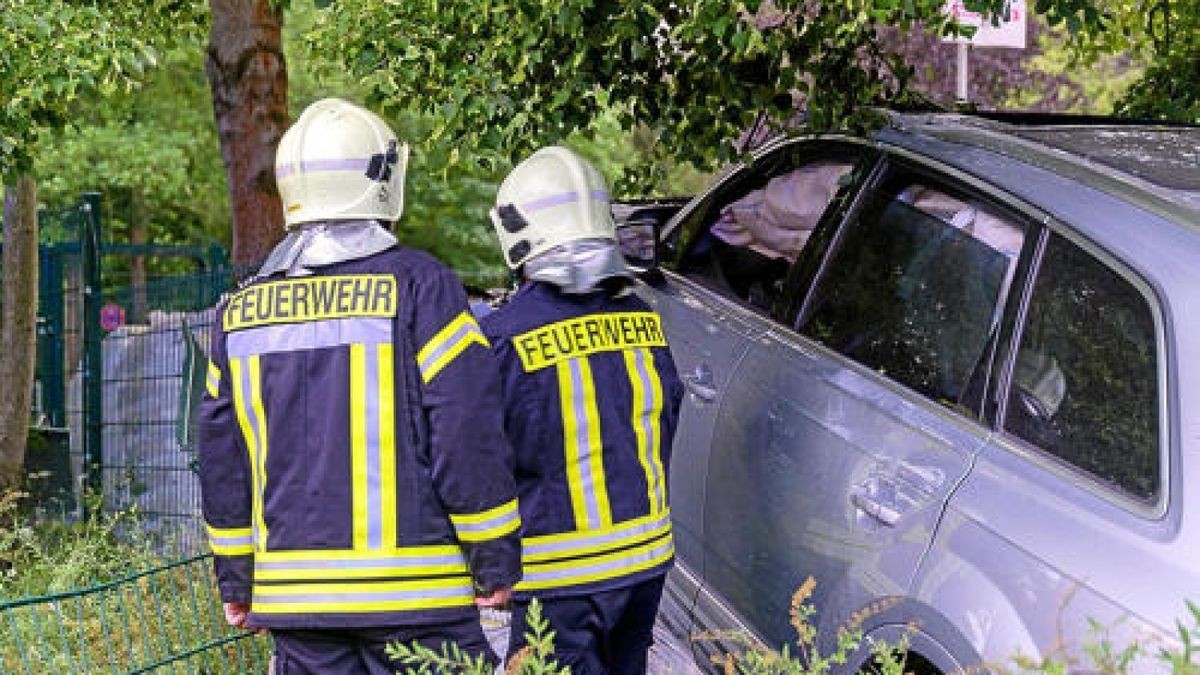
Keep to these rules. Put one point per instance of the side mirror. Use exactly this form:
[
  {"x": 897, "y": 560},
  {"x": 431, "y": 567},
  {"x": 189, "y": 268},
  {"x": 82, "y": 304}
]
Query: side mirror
[{"x": 638, "y": 241}]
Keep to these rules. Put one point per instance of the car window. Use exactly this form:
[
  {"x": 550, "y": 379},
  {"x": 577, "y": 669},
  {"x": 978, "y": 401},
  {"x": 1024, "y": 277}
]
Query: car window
[
  {"x": 1085, "y": 383},
  {"x": 915, "y": 286},
  {"x": 745, "y": 236}
]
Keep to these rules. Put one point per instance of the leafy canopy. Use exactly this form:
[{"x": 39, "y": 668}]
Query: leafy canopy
[
  {"x": 57, "y": 55},
  {"x": 503, "y": 76}
]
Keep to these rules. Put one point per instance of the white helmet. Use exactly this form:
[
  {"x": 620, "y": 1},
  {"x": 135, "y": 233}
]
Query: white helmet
[
  {"x": 340, "y": 162},
  {"x": 552, "y": 198}
]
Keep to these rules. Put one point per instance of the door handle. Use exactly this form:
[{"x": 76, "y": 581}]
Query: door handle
[
  {"x": 700, "y": 383},
  {"x": 887, "y": 514},
  {"x": 876, "y": 497}
]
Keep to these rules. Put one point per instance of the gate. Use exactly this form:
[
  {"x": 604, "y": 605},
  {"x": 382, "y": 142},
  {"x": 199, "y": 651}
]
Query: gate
[{"x": 117, "y": 325}]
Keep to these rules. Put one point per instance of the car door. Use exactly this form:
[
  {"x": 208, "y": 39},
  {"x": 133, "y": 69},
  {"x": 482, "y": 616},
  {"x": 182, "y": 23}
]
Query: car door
[
  {"x": 720, "y": 296},
  {"x": 1067, "y": 530},
  {"x": 839, "y": 442}
]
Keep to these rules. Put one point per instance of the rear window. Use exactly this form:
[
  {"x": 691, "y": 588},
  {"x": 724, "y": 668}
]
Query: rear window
[
  {"x": 1085, "y": 384},
  {"x": 915, "y": 289}
]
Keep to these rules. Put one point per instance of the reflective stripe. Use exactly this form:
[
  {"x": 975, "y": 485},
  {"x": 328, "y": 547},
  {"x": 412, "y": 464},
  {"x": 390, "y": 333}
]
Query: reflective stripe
[
  {"x": 417, "y": 561},
  {"x": 366, "y": 596},
  {"x": 230, "y": 541},
  {"x": 647, "y": 411},
  {"x": 372, "y": 446},
  {"x": 247, "y": 397},
  {"x": 213, "y": 382},
  {"x": 354, "y": 164},
  {"x": 581, "y": 441},
  {"x": 560, "y": 199},
  {"x": 448, "y": 343},
  {"x": 574, "y": 544},
  {"x": 358, "y": 446},
  {"x": 301, "y": 555},
  {"x": 295, "y": 337},
  {"x": 539, "y": 576},
  {"x": 489, "y": 524},
  {"x": 387, "y": 444}
]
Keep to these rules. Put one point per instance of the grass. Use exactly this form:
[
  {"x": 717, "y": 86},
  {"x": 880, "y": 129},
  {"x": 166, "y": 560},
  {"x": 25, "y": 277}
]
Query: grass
[{"x": 92, "y": 596}]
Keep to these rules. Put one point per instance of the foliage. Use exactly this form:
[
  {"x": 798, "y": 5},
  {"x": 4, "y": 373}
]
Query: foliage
[
  {"x": 1170, "y": 89},
  {"x": 58, "y": 53},
  {"x": 40, "y": 557},
  {"x": 1186, "y": 658},
  {"x": 806, "y": 658},
  {"x": 157, "y": 139},
  {"x": 1161, "y": 35},
  {"x": 502, "y": 77},
  {"x": 536, "y": 658},
  {"x": 448, "y": 192},
  {"x": 1045, "y": 77}
]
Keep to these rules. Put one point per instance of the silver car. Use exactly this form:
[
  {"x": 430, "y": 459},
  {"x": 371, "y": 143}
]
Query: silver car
[{"x": 950, "y": 371}]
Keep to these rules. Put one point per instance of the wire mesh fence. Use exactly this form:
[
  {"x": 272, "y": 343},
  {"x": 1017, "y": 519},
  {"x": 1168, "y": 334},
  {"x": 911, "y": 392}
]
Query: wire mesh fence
[
  {"x": 164, "y": 620},
  {"x": 151, "y": 377}
]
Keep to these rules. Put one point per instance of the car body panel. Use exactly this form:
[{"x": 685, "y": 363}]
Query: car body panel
[
  {"x": 824, "y": 471},
  {"x": 906, "y": 511}
]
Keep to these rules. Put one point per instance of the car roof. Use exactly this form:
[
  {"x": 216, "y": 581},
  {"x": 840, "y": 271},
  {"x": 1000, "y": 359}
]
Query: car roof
[{"x": 1154, "y": 165}]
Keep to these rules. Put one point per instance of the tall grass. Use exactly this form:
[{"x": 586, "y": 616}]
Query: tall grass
[{"x": 92, "y": 596}]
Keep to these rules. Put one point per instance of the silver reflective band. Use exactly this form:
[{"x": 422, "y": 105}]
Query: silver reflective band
[
  {"x": 649, "y": 418},
  {"x": 312, "y": 335},
  {"x": 605, "y": 539},
  {"x": 230, "y": 542},
  {"x": 430, "y": 360},
  {"x": 323, "y": 165},
  {"x": 583, "y": 435},
  {"x": 494, "y": 527},
  {"x": 364, "y": 596},
  {"x": 584, "y": 571},
  {"x": 454, "y": 561},
  {"x": 559, "y": 199}
]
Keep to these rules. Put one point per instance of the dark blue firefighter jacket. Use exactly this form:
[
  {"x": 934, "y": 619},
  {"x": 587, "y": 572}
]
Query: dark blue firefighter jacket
[
  {"x": 353, "y": 464},
  {"x": 591, "y": 402}
]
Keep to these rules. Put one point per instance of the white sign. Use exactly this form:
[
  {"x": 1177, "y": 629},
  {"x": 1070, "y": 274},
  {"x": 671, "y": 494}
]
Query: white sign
[{"x": 1010, "y": 32}]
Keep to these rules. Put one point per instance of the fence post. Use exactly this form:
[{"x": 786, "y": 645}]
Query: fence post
[
  {"x": 50, "y": 336},
  {"x": 93, "y": 367}
]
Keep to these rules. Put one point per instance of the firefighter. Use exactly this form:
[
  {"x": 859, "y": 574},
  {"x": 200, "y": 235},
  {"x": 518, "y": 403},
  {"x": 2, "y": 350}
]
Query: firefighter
[
  {"x": 591, "y": 402},
  {"x": 357, "y": 486}
]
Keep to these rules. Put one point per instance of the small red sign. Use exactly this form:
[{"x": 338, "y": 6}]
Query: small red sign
[{"x": 112, "y": 317}]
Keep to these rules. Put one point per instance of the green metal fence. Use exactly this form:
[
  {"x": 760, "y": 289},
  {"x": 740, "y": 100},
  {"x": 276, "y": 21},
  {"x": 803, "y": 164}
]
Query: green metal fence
[{"x": 165, "y": 620}]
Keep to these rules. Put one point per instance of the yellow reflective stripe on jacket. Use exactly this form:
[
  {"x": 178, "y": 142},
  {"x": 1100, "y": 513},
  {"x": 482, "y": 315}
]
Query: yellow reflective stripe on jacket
[
  {"x": 230, "y": 540},
  {"x": 397, "y": 563},
  {"x": 585, "y": 335},
  {"x": 362, "y": 596},
  {"x": 247, "y": 398},
  {"x": 213, "y": 381},
  {"x": 582, "y": 444},
  {"x": 387, "y": 445},
  {"x": 490, "y": 524},
  {"x": 647, "y": 411},
  {"x": 541, "y": 576},
  {"x": 448, "y": 343},
  {"x": 550, "y": 547},
  {"x": 372, "y": 446}
]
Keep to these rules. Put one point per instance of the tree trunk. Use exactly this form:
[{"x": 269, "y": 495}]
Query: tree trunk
[
  {"x": 18, "y": 325},
  {"x": 248, "y": 78}
]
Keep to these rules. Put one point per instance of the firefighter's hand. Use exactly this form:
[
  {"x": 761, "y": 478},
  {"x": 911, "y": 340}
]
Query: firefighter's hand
[
  {"x": 236, "y": 614},
  {"x": 498, "y": 598}
]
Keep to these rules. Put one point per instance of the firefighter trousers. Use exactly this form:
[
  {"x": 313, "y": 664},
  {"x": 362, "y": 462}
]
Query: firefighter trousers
[
  {"x": 360, "y": 651},
  {"x": 601, "y": 633}
]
